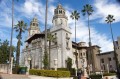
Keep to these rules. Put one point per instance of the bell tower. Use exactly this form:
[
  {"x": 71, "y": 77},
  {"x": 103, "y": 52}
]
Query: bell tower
[
  {"x": 61, "y": 31},
  {"x": 59, "y": 17},
  {"x": 34, "y": 27}
]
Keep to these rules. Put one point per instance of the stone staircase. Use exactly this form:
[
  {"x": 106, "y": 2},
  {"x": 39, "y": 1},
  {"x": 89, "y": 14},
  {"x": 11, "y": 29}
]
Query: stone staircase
[{"x": 13, "y": 76}]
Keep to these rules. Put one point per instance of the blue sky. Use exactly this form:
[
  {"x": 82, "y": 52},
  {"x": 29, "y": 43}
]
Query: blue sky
[{"x": 27, "y": 9}]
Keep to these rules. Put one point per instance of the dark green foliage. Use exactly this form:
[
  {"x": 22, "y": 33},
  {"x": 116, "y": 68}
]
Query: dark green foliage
[
  {"x": 5, "y": 51},
  {"x": 45, "y": 60},
  {"x": 69, "y": 63},
  {"x": 109, "y": 74},
  {"x": 50, "y": 73},
  {"x": 95, "y": 76},
  {"x": 72, "y": 71},
  {"x": 75, "y": 77},
  {"x": 63, "y": 69},
  {"x": 19, "y": 70}
]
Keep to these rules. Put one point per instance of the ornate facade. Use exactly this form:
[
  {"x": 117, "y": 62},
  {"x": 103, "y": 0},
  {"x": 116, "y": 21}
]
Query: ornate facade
[
  {"x": 35, "y": 43},
  {"x": 34, "y": 49}
]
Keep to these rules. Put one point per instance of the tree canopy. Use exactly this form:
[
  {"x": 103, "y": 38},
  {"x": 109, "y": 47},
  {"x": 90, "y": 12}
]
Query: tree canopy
[{"x": 5, "y": 51}]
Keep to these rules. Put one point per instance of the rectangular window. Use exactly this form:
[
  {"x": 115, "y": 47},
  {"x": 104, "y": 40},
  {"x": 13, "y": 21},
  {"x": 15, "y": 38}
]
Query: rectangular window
[
  {"x": 113, "y": 58},
  {"x": 103, "y": 67},
  {"x": 109, "y": 59},
  {"x": 102, "y": 60}
]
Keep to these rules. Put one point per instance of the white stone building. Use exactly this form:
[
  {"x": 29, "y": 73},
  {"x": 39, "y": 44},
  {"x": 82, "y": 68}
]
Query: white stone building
[
  {"x": 34, "y": 47},
  {"x": 64, "y": 47},
  {"x": 107, "y": 61},
  {"x": 118, "y": 49}
]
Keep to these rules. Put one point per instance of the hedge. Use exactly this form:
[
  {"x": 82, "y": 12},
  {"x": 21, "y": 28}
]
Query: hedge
[
  {"x": 49, "y": 73},
  {"x": 72, "y": 70},
  {"x": 96, "y": 76},
  {"x": 109, "y": 74},
  {"x": 19, "y": 70}
]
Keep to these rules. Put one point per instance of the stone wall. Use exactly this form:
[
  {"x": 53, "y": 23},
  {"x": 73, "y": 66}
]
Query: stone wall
[{"x": 4, "y": 68}]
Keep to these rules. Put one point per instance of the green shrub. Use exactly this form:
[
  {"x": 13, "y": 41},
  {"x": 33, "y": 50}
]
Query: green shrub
[
  {"x": 72, "y": 70},
  {"x": 75, "y": 77},
  {"x": 49, "y": 73},
  {"x": 113, "y": 71},
  {"x": 19, "y": 70},
  {"x": 62, "y": 69},
  {"x": 94, "y": 76},
  {"x": 109, "y": 74}
]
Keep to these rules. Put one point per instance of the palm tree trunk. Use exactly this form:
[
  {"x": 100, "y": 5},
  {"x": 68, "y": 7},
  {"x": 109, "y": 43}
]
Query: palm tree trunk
[
  {"x": 18, "y": 52},
  {"x": 18, "y": 49},
  {"x": 46, "y": 25},
  {"x": 45, "y": 52},
  {"x": 115, "y": 53},
  {"x": 76, "y": 47},
  {"x": 89, "y": 43},
  {"x": 49, "y": 53},
  {"x": 11, "y": 31},
  {"x": 91, "y": 58}
]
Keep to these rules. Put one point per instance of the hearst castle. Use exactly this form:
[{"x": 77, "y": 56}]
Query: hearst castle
[{"x": 34, "y": 47}]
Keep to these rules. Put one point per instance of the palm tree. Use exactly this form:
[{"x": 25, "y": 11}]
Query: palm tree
[
  {"x": 21, "y": 27},
  {"x": 109, "y": 20},
  {"x": 50, "y": 38},
  {"x": 75, "y": 15},
  {"x": 11, "y": 34},
  {"x": 45, "y": 58},
  {"x": 88, "y": 10}
]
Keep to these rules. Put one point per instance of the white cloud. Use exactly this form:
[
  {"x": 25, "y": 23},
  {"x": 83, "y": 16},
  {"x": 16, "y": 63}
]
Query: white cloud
[
  {"x": 103, "y": 8},
  {"x": 98, "y": 38},
  {"x": 30, "y": 8}
]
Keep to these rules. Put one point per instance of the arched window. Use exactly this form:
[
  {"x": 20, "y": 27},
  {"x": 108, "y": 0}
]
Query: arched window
[
  {"x": 60, "y": 21},
  {"x": 66, "y": 35},
  {"x": 33, "y": 32},
  {"x": 55, "y": 22},
  {"x": 60, "y": 11},
  {"x": 36, "y": 24},
  {"x": 33, "y": 24}
]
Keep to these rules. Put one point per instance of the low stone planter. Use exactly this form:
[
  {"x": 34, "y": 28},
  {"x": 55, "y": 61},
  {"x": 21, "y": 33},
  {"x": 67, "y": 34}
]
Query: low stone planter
[{"x": 41, "y": 77}]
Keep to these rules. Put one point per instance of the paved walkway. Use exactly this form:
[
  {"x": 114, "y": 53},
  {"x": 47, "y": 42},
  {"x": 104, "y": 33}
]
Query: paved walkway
[
  {"x": 83, "y": 78},
  {"x": 13, "y": 76}
]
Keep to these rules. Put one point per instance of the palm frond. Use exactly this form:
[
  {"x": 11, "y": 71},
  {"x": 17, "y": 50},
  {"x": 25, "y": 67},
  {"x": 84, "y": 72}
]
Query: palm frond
[{"x": 110, "y": 18}]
